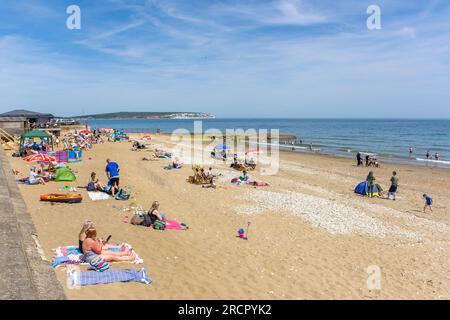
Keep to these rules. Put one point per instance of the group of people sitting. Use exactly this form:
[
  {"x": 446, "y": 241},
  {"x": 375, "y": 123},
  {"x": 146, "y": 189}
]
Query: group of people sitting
[
  {"x": 40, "y": 175},
  {"x": 202, "y": 176},
  {"x": 137, "y": 146},
  {"x": 247, "y": 165}
]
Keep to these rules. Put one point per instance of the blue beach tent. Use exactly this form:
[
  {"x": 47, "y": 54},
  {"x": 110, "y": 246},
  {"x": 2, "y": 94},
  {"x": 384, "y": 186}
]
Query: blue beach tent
[{"x": 363, "y": 189}]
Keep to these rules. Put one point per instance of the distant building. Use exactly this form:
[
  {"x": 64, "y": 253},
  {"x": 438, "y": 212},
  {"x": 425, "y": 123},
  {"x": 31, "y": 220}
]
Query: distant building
[
  {"x": 18, "y": 121},
  {"x": 14, "y": 125},
  {"x": 31, "y": 116}
]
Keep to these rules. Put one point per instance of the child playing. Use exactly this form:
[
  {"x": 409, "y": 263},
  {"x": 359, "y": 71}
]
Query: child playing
[{"x": 428, "y": 202}]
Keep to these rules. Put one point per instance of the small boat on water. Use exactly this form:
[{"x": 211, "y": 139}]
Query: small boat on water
[{"x": 62, "y": 198}]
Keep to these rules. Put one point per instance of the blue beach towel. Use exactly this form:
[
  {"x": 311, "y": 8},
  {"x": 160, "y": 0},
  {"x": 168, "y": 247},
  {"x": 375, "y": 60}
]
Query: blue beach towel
[{"x": 80, "y": 278}]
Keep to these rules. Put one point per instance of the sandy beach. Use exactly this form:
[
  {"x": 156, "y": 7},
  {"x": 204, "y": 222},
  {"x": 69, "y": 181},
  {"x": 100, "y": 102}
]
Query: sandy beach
[{"x": 311, "y": 236}]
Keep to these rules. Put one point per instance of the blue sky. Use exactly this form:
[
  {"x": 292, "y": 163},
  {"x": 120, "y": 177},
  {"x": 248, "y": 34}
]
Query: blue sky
[{"x": 278, "y": 58}]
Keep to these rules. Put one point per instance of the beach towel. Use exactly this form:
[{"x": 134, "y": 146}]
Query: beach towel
[
  {"x": 174, "y": 225},
  {"x": 96, "y": 196},
  {"x": 71, "y": 255},
  {"x": 80, "y": 278}
]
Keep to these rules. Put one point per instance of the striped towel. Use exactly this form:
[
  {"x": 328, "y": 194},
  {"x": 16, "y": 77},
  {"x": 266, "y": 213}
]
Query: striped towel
[
  {"x": 71, "y": 255},
  {"x": 80, "y": 278}
]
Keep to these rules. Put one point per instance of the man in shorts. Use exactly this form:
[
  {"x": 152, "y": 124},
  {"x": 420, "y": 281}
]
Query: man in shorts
[
  {"x": 394, "y": 186},
  {"x": 112, "y": 172}
]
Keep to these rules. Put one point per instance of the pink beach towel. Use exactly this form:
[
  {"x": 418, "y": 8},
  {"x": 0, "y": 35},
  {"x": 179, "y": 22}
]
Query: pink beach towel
[{"x": 173, "y": 225}]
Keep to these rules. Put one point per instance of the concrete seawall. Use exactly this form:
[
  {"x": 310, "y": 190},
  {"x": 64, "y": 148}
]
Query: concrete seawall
[{"x": 23, "y": 272}]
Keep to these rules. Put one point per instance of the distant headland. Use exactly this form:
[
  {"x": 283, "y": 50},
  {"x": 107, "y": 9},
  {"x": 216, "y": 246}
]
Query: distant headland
[{"x": 145, "y": 115}]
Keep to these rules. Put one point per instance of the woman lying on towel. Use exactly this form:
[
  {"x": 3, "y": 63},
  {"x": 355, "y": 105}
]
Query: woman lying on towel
[{"x": 94, "y": 248}]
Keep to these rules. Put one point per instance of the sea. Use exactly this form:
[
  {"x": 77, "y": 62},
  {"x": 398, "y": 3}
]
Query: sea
[{"x": 389, "y": 139}]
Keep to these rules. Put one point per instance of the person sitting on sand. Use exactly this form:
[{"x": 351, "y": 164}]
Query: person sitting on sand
[
  {"x": 94, "y": 247},
  {"x": 153, "y": 214},
  {"x": 94, "y": 183},
  {"x": 82, "y": 235},
  {"x": 197, "y": 176},
  {"x": 176, "y": 164},
  {"x": 34, "y": 177},
  {"x": 203, "y": 175},
  {"x": 370, "y": 183},
  {"x": 242, "y": 179}
]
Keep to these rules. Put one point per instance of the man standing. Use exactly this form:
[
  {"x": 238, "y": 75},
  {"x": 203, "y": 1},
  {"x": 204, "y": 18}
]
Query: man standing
[
  {"x": 112, "y": 172},
  {"x": 394, "y": 185},
  {"x": 358, "y": 159}
]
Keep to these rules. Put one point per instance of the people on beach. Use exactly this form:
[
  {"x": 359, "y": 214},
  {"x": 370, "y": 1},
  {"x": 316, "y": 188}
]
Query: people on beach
[
  {"x": 410, "y": 152},
  {"x": 154, "y": 212},
  {"x": 112, "y": 172},
  {"x": 428, "y": 202},
  {"x": 436, "y": 156},
  {"x": 82, "y": 235},
  {"x": 428, "y": 155},
  {"x": 94, "y": 183},
  {"x": 93, "y": 249},
  {"x": 358, "y": 159},
  {"x": 367, "y": 160},
  {"x": 34, "y": 177},
  {"x": 370, "y": 183},
  {"x": 394, "y": 186},
  {"x": 176, "y": 164}
]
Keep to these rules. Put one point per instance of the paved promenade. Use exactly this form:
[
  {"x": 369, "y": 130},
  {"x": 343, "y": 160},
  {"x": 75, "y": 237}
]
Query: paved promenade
[{"x": 23, "y": 273}]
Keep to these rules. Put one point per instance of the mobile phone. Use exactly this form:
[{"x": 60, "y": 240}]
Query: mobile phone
[{"x": 107, "y": 239}]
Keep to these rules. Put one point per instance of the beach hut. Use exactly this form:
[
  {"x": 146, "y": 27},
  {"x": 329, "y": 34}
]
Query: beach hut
[{"x": 43, "y": 136}]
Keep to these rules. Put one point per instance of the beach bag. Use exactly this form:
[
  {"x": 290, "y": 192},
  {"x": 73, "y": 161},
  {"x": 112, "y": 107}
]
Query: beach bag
[
  {"x": 137, "y": 220},
  {"x": 122, "y": 195},
  {"x": 159, "y": 225},
  {"x": 91, "y": 187},
  {"x": 99, "y": 264}
]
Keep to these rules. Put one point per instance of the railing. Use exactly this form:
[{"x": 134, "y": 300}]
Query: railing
[{"x": 7, "y": 137}]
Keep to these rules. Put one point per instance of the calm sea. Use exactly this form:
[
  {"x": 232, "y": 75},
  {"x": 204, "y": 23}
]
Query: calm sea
[{"x": 389, "y": 139}]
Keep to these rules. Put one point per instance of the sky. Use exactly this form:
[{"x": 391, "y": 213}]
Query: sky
[{"x": 258, "y": 58}]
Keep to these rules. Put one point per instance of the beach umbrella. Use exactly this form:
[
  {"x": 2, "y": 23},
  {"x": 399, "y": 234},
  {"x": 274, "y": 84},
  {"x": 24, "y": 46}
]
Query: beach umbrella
[
  {"x": 85, "y": 131},
  {"x": 40, "y": 157},
  {"x": 222, "y": 147},
  {"x": 146, "y": 138}
]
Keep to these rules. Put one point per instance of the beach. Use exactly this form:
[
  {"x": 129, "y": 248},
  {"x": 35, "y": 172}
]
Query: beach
[{"x": 311, "y": 236}]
